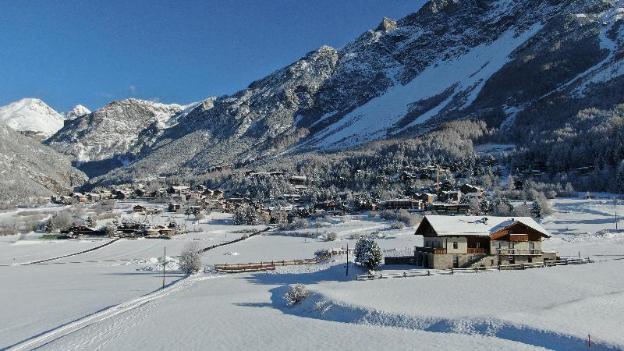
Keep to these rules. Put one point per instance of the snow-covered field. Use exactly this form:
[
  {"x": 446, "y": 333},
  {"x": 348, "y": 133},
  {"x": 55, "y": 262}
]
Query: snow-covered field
[{"x": 110, "y": 298}]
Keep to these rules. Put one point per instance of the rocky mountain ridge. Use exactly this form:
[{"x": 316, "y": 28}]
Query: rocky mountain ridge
[
  {"x": 118, "y": 130},
  {"x": 526, "y": 68},
  {"x": 487, "y": 60}
]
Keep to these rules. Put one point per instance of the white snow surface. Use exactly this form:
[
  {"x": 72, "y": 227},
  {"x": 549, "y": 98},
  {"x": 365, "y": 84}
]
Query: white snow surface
[
  {"x": 110, "y": 298},
  {"x": 478, "y": 225},
  {"x": 30, "y": 114}
]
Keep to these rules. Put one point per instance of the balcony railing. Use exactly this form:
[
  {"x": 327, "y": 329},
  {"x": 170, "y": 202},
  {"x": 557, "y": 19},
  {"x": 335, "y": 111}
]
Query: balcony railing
[
  {"x": 518, "y": 252},
  {"x": 433, "y": 250},
  {"x": 476, "y": 250}
]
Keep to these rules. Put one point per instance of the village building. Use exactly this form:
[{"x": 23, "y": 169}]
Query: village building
[
  {"x": 427, "y": 198},
  {"x": 469, "y": 189},
  {"x": 178, "y": 189},
  {"x": 450, "y": 209},
  {"x": 131, "y": 230},
  {"x": 450, "y": 196},
  {"x": 139, "y": 209},
  {"x": 403, "y": 204},
  {"x": 162, "y": 232},
  {"x": 173, "y": 207},
  {"x": 93, "y": 197},
  {"x": 80, "y": 230},
  {"x": 478, "y": 241},
  {"x": 121, "y": 194},
  {"x": 80, "y": 197}
]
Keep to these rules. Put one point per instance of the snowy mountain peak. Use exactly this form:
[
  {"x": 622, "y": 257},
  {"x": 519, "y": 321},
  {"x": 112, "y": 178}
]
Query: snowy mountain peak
[
  {"x": 31, "y": 115},
  {"x": 387, "y": 25},
  {"x": 77, "y": 111}
]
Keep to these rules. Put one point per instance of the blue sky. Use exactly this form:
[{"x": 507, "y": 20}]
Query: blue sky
[{"x": 92, "y": 52}]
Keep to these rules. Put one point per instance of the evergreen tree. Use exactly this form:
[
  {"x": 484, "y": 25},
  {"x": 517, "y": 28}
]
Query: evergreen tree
[{"x": 368, "y": 253}]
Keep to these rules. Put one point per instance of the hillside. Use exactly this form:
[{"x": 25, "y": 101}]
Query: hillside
[{"x": 29, "y": 169}]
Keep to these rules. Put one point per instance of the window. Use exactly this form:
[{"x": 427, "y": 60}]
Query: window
[{"x": 455, "y": 245}]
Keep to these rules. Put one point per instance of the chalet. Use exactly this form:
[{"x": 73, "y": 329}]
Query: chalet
[
  {"x": 62, "y": 200},
  {"x": 477, "y": 241},
  {"x": 405, "y": 204},
  {"x": 450, "y": 196},
  {"x": 469, "y": 189},
  {"x": 80, "y": 197},
  {"x": 105, "y": 194},
  {"x": 131, "y": 230},
  {"x": 451, "y": 209},
  {"x": 178, "y": 189},
  {"x": 161, "y": 231},
  {"x": 93, "y": 197},
  {"x": 121, "y": 194},
  {"x": 139, "y": 209},
  {"x": 173, "y": 207},
  {"x": 79, "y": 230},
  {"x": 427, "y": 198}
]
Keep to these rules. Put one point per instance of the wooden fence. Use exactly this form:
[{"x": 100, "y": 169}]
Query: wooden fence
[
  {"x": 260, "y": 266},
  {"x": 426, "y": 273}
]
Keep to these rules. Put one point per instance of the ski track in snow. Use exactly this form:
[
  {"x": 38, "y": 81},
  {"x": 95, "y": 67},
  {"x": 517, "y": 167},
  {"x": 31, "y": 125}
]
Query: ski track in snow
[
  {"x": 71, "y": 327},
  {"x": 50, "y": 336}
]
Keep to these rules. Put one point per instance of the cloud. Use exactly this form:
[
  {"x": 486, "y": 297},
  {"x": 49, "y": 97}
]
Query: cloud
[{"x": 132, "y": 89}]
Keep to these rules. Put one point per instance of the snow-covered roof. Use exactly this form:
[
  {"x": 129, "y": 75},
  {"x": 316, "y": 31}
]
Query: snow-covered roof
[{"x": 477, "y": 225}]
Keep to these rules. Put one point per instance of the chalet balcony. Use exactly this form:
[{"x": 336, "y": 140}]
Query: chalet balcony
[
  {"x": 433, "y": 250},
  {"x": 476, "y": 250},
  {"x": 512, "y": 252}
]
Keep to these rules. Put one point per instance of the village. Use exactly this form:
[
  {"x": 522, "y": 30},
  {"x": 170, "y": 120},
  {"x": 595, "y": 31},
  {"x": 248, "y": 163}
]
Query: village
[{"x": 452, "y": 216}]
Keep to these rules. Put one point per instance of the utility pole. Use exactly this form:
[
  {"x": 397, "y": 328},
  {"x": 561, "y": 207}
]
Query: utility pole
[
  {"x": 437, "y": 179},
  {"x": 347, "y": 274},
  {"x": 615, "y": 212},
  {"x": 164, "y": 266}
]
